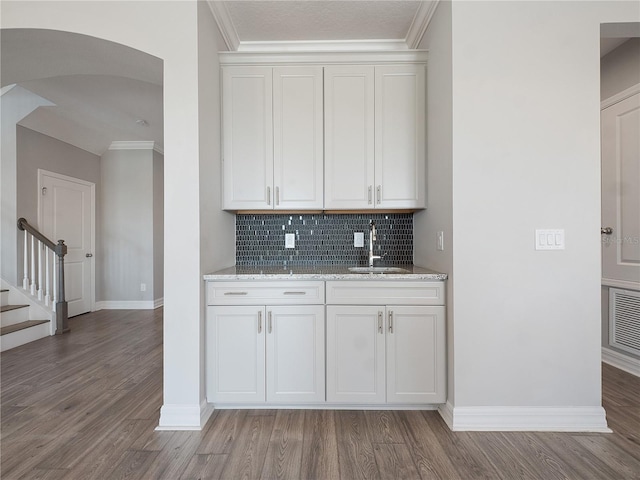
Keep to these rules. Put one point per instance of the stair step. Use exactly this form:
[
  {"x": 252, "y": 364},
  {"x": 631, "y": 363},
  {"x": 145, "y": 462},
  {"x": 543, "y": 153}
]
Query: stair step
[
  {"x": 4, "y": 296},
  {"x": 12, "y": 314},
  {"x": 21, "y": 326},
  {"x": 8, "y": 308}
]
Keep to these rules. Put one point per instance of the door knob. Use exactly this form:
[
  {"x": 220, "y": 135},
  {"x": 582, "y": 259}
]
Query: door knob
[
  {"x": 606, "y": 231},
  {"x": 89, "y": 255}
]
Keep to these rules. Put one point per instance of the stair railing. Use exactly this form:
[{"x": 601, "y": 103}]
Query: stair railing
[{"x": 45, "y": 278}]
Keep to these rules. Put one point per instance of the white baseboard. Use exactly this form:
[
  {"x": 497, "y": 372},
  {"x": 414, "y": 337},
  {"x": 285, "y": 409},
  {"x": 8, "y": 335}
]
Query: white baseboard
[
  {"x": 620, "y": 360},
  {"x": 184, "y": 417},
  {"x": 130, "y": 305},
  {"x": 525, "y": 419}
]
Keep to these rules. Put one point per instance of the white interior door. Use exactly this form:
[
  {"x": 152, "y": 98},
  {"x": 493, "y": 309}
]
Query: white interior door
[
  {"x": 66, "y": 212},
  {"x": 621, "y": 192}
]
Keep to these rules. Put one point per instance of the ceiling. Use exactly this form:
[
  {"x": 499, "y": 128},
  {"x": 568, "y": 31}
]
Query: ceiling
[{"x": 104, "y": 92}]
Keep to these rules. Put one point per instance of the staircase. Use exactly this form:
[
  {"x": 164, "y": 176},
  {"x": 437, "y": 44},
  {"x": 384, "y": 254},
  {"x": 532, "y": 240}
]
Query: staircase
[{"x": 22, "y": 318}]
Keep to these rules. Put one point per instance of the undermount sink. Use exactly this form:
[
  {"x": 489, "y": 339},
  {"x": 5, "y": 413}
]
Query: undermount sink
[{"x": 378, "y": 270}]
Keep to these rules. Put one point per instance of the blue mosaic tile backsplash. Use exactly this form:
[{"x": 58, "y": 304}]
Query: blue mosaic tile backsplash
[{"x": 322, "y": 239}]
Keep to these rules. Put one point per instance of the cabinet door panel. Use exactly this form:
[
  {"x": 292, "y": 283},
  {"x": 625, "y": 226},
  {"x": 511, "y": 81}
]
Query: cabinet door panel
[
  {"x": 415, "y": 354},
  {"x": 247, "y": 137},
  {"x": 235, "y": 354},
  {"x": 349, "y": 142},
  {"x": 295, "y": 354},
  {"x": 355, "y": 354},
  {"x": 400, "y": 136},
  {"x": 298, "y": 142}
]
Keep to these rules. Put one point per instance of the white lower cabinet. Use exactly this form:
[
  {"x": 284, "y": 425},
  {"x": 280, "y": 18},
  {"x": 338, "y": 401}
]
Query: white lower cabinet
[
  {"x": 384, "y": 343},
  {"x": 265, "y": 353},
  {"x": 385, "y": 354}
]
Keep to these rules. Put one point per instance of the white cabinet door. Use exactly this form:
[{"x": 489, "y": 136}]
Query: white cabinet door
[
  {"x": 415, "y": 354},
  {"x": 295, "y": 354},
  {"x": 400, "y": 112},
  {"x": 348, "y": 136},
  {"x": 298, "y": 138},
  {"x": 355, "y": 354},
  {"x": 235, "y": 354},
  {"x": 247, "y": 137}
]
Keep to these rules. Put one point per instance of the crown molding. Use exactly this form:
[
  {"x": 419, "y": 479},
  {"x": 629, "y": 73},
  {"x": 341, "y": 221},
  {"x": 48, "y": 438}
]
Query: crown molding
[
  {"x": 322, "y": 58},
  {"x": 136, "y": 145},
  {"x": 383, "y": 45},
  {"x": 225, "y": 24},
  {"x": 420, "y": 23}
]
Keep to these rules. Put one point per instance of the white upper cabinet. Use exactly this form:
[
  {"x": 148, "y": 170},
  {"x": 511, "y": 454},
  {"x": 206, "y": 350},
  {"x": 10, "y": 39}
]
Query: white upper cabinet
[
  {"x": 400, "y": 113},
  {"x": 272, "y": 135},
  {"x": 375, "y": 137},
  {"x": 340, "y": 137},
  {"x": 349, "y": 144},
  {"x": 297, "y": 141},
  {"x": 247, "y": 137}
]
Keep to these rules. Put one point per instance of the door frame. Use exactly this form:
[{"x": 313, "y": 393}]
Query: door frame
[{"x": 92, "y": 186}]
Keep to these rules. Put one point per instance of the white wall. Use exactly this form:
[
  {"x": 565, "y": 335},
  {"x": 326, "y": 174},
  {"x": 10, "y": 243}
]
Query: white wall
[
  {"x": 169, "y": 31},
  {"x": 439, "y": 215},
  {"x": 129, "y": 209},
  {"x": 15, "y": 104},
  {"x": 526, "y": 155},
  {"x": 217, "y": 228}
]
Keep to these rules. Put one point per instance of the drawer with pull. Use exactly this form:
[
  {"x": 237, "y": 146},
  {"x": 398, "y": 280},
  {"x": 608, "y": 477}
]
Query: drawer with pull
[{"x": 268, "y": 292}]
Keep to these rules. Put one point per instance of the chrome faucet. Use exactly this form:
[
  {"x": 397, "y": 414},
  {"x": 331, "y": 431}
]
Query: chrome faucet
[{"x": 372, "y": 238}]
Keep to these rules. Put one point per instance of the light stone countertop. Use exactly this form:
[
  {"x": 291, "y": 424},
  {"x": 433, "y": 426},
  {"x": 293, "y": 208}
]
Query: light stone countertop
[{"x": 322, "y": 272}]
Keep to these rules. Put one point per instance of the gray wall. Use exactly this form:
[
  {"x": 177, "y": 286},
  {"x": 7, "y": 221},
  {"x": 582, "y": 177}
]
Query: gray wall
[
  {"x": 34, "y": 151},
  {"x": 158, "y": 225},
  {"x": 129, "y": 207},
  {"x": 619, "y": 70}
]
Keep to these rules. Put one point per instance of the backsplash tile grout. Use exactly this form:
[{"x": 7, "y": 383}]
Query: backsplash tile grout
[{"x": 322, "y": 239}]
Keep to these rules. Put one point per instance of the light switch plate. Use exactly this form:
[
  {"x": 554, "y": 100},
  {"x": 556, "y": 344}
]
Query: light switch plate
[
  {"x": 440, "y": 241},
  {"x": 358, "y": 239},
  {"x": 289, "y": 240},
  {"x": 550, "y": 239}
]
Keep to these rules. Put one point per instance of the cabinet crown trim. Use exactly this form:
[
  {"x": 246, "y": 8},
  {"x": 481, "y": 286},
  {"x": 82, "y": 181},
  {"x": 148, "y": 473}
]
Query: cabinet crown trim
[{"x": 323, "y": 58}]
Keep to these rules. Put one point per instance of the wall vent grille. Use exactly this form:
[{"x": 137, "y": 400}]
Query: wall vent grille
[{"x": 624, "y": 320}]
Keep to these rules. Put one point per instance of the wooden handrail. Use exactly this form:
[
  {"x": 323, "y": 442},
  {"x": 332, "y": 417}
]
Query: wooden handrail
[{"x": 60, "y": 249}]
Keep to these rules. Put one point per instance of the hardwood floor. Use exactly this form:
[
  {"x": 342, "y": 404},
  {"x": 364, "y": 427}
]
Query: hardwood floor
[{"x": 85, "y": 405}]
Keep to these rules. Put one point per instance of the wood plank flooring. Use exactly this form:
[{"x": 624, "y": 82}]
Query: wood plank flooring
[{"x": 85, "y": 405}]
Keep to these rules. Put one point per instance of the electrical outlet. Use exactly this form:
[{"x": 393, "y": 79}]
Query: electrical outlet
[
  {"x": 289, "y": 240},
  {"x": 440, "y": 241},
  {"x": 358, "y": 239},
  {"x": 143, "y": 287}
]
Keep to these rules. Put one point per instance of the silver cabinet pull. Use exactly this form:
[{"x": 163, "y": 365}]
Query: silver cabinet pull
[
  {"x": 378, "y": 193},
  {"x": 236, "y": 293},
  {"x": 606, "y": 231},
  {"x": 268, "y": 195},
  {"x": 259, "y": 322},
  {"x": 89, "y": 255},
  {"x": 295, "y": 293},
  {"x": 390, "y": 321},
  {"x": 270, "y": 323},
  {"x": 370, "y": 188},
  {"x": 379, "y": 322},
  {"x": 277, "y": 195}
]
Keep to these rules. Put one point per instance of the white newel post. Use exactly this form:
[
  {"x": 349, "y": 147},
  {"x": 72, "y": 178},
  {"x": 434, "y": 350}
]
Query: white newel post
[{"x": 55, "y": 281}]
